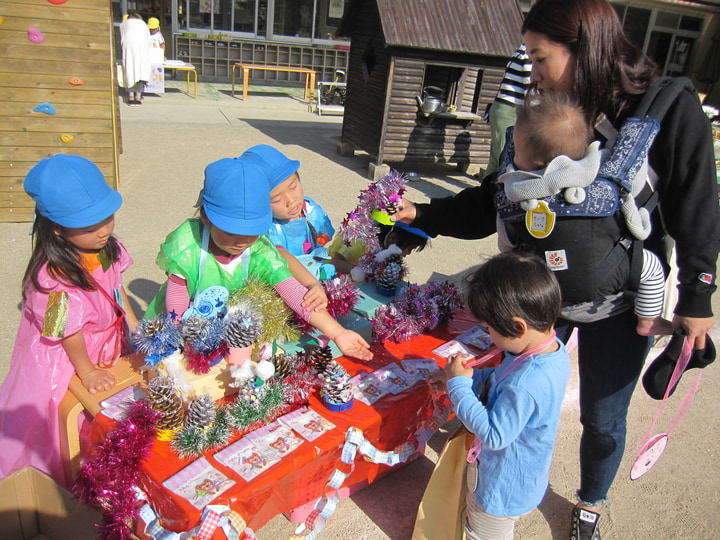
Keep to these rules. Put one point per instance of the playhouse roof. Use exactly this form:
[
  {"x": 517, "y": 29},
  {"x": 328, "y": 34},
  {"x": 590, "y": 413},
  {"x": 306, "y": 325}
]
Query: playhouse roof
[{"x": 489, "y": 27}]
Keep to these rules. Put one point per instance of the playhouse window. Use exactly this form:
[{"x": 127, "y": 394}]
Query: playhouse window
[{"x": 447, "y": 78}]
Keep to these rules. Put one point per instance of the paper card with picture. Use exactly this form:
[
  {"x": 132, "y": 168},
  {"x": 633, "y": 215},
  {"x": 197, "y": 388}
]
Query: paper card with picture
[
  {"x": 245, "y": 459},
  {"x": 367, "y": 388},
  {"x": 275, "y": 440},
  {"x": 394, "y": 378},
  {"x": 199, "y": 483},
  {"x": 116, "y": 406},
  {"x": 420, "y": 368},
  {"x": 452, "y": 347},
  {"x": 477, "y": 337},
  {"x": 307, "y": 423}
]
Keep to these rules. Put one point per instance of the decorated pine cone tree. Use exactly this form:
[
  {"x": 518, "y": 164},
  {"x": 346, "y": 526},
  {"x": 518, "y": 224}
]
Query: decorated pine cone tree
[
  {"x": 195, "y": 328},
  {"x": 283, "y": 365},
  {"x": 336, "y": 386},
  {"x": 390, "y": 275},
  {"x": 319, "y": 357},
  {"x": 242, "y": 327},
  {"x": 164, "y": 398},
  {"x": 201, "y": 412}
]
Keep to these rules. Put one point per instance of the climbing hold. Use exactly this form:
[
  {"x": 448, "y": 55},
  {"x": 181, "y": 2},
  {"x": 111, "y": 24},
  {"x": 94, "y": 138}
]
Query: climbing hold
[
  {"x": 57, "y": 2},
  {"x": 46, "y": 108},
  {"x": 1, "y": 20},
  {"x": 66, "y": 138},
  {"x": 76, "y": 82},
  {"x": 35, "y": 35}
]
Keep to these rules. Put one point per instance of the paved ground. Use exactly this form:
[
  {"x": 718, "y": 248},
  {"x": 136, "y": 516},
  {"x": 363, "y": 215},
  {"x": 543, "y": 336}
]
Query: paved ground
[{"x": 169, "y": 140}]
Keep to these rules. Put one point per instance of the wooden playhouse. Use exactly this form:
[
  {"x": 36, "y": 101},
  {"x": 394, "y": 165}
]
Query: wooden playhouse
[
  {"x": 401, "y": 48},
  {"x": 57, "y": 91}
]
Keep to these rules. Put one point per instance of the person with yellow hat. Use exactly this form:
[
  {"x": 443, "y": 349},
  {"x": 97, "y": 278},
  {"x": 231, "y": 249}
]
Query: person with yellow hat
[{"x": 156, "y": 37}]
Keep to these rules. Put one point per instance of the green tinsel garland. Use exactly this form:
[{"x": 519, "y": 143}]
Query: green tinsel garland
[
  {"x": 245, "y": 413},
  {"x": 193, "y": 441},
  {"x": 272, "y": 309}
]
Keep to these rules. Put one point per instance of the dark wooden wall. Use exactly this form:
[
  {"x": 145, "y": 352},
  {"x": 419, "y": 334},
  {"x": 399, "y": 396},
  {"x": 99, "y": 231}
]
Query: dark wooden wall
[{"x": 77, "y": 45}]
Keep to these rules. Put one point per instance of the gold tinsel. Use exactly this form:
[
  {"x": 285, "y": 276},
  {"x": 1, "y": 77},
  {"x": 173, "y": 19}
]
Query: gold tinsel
[{"x": 273, "y": 311}]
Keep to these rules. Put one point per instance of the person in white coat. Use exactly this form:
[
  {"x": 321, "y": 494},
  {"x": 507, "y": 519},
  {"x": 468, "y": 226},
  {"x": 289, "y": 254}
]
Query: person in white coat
[{"x": 136, "y": 44}]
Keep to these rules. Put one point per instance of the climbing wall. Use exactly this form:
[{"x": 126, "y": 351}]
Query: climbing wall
[{"x": 56, "y": 91}]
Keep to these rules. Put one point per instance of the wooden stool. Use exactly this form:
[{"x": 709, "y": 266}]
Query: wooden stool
[{"x": 77, "y": 399}]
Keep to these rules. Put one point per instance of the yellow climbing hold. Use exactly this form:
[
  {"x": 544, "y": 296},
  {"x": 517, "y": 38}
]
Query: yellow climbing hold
[{"x": 66, "y": 138}]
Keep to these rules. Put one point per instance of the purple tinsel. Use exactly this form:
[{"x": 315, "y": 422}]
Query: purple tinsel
[
  {"x": 342, "y": 297},
  {"x": 416, "y": 311},
  {"x": 107, "y": 480},
  {"x": 384, "y": 195}
]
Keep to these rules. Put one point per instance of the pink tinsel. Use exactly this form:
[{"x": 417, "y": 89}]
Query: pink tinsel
[
  {"x": 342, "y": 298},
  {"x": 107, "y": 480},
  {"x": 200, "y": 363},
  {"x": 384, "y": 195},
  {"x": 416, "y": 311}
]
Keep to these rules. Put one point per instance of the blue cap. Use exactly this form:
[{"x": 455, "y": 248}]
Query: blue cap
[
  {"x": 233, "y": 199},
  {"x": 71, "y": 191},
  {"x": 411, "y": 230},
  {"x": 276, "y": 165}
]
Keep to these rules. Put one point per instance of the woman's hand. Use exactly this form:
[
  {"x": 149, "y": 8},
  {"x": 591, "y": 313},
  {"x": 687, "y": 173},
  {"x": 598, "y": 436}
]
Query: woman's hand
[
  {"x": 315, "y": 298},
  {"x": 407, "y": 212},
  {"x": 455, "y": 368},
  {"x": 696, "y": 329},
  {"x": 97, "y": 380},
  {"x": 353, "y": 345}
]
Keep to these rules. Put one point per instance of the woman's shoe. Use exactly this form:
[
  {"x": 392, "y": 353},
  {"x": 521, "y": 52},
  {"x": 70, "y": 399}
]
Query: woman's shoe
[{"x": 584, "y": 525}]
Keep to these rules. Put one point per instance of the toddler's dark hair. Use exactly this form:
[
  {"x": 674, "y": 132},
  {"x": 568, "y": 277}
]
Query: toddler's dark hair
[
  {"x": 62, "y": 258},
  {"x": 405, "y": 240},
  {"x": 511, "y": 285}
]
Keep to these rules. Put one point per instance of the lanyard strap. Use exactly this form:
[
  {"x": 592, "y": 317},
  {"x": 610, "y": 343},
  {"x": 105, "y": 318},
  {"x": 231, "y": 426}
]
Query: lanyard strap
[
  {"x": 687, "y": 399},
  {"x": 476, "y": 446}
]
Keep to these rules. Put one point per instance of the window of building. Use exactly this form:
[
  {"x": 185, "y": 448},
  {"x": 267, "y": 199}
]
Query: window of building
[
  {"x": 444, "y": 80},
  {"x": 668, "y": 37}
]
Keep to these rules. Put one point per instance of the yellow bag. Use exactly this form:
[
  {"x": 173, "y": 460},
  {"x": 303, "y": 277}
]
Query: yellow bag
[{"x": 441, "y": 514}]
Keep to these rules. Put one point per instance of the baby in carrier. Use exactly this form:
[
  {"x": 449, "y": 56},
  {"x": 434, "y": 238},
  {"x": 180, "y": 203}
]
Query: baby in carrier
[{"x": 554, "y": 156}]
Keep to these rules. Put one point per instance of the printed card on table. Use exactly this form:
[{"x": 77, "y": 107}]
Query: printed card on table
[
  {"x": 274, "y": 441},
  {"x": 476, "y": 337},
  {"x": 452, "y": 347},
  {"x": 393, "y": 378},
  {"x": 116, "y": 405},
  {"x": 420, "y": 368},
  {"x": 367, "y": 388},
  {"x": 245, "y": 459},
  {"x": 199, "y": 483},
  {"x": 308, "y": 423}
]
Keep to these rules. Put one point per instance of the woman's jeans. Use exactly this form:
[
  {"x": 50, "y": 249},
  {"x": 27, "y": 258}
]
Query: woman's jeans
[{"x": 611, "y": 355}]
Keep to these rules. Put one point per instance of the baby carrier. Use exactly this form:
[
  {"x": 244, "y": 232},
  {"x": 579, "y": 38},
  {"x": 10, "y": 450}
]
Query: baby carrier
[{"x": 592, "y": 235}]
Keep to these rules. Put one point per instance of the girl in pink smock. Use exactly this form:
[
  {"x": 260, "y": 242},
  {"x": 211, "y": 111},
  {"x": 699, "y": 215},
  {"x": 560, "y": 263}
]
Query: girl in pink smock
[{"x": 72, "y": 320}]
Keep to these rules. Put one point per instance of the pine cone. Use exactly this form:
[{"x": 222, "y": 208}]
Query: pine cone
[
  {"x": 283, "y": 365},
  {"x": 241, "y": 331},
  {"x": 319, "y": 357},
  {"x": 390, "y": 276},
  {"x": 201, "y": 412},
  {"x": 165, "y": 398},
  {"x": 336, "y": 384},
  {"x": 194, "y": 328}
]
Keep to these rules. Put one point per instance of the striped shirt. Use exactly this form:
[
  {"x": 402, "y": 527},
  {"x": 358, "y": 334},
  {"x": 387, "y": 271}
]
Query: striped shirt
[{"x": 516, "y": 78}]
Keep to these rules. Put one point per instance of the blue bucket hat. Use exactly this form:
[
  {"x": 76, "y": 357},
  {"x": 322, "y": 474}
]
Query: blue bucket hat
[
  {"x": 276, "y": 165},
  {"x": 233, "y": 200},
  {"x": 71, "y": 191}
]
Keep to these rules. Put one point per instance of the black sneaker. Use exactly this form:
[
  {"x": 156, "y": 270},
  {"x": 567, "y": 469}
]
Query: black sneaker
[{"x": 584, "y": 525}]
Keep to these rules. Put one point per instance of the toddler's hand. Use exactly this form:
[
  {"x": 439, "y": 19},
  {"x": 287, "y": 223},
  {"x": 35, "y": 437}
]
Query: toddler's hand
[
  {"x": 98, "y": 380},
  {"x": 353, "y": 345},
  {"x": 407, "y": 212},
  {"x": 315, "y": 299},
  {"x": 455, "y": 368}
]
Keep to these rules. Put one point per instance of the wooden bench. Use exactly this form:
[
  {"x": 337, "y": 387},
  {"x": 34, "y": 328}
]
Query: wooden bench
[{"x": 309, "y": 77}]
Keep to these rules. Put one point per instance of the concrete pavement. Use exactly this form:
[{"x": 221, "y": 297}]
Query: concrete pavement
[{"x": 169, "y": 140}]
